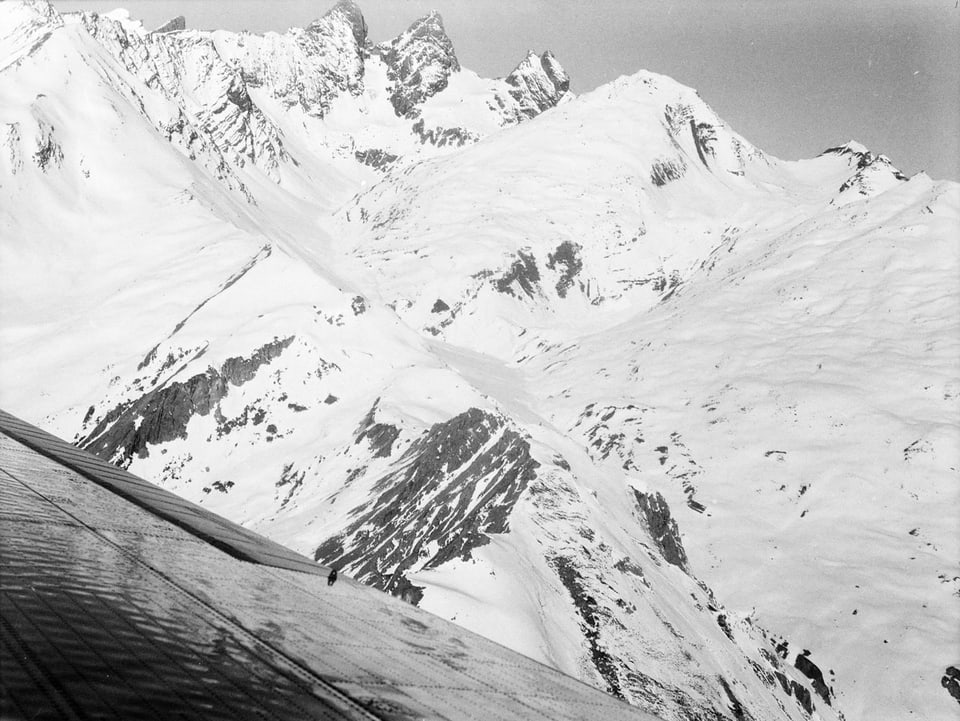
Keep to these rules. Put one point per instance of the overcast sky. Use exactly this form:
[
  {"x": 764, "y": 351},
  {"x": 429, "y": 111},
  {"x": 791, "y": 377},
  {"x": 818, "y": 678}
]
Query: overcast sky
[{"x": 792, "y": 76}]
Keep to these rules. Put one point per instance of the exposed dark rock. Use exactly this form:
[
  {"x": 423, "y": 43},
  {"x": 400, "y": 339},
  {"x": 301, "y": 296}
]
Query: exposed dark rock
[
  {"x": 784, "y": 682},
  {"x": 951, "y": 681},
  {"x": 380, "y": 436},
  {"x": 537, "y": 84},
  {"x": 358, "y": 305},
  {"x": 444, "y": 493},
  {"x": 48, "y": 149},
  {"x": 665, "y": 170},
  {"x": 330, "y": 399},
  {"x": 439, "y": 307},
  {"x": 419, "y": 63},
  {"x": 250, "y": 415},
  {"x": 662, "y": 282},
  {"x": 293, "y": 478},
  {"x": 173, "y": 25},
  {"x": 803, "y": 696},
  {"x": 809, "y": 669},
  {"x": 567, "y": 258},
  {"x": 408, "y": 591},
  {"x": 148, "y": 358},
  {"x": 724, "y": 625},
  {"x": 677, "y": 117},
  {"x": 375, "y": 158},
  {"x": 163, "y": 414},
  {"x": 736, "y": 708},
  {"x": 238, "y": 95},
  {"x": 348, "y": 12},
  {"x": 523, "y": 272},
  {"x": 590, "y": 613},
  {"x": 704, "y": 137},
  {"x": 663, "y": 528},
  {"x": 440, "y": 137}
]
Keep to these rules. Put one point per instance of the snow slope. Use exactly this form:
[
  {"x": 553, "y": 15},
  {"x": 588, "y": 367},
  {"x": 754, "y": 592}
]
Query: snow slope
[{"x": 592, "y": 376}]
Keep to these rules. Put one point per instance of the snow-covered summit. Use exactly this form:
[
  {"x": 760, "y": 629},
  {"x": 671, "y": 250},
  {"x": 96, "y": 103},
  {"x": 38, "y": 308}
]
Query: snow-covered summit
[
  {"x": 540, "y": 83},
  {"x": 345, "y": 12},
  {"x": 419, "y": 62}
]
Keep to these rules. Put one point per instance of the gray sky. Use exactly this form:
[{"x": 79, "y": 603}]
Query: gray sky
[{"x": 792, "y": 76}]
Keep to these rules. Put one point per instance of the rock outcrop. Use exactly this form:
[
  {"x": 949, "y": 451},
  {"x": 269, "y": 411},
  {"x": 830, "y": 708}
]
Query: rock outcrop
[
  {"x": 164, "y": 413},
  {"x": 419, "y": 63},
  {"x": 173, "y": 25},
  {"x": 662, "y": 526},
  {"x": 450, "y": 488},
  {"x": 538, "y": 83}
]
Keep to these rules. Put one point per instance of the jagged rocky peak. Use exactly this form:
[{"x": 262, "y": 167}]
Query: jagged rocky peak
[
  {"x": 345, "y": 12},
  {"x": 862, "y": 156},
  {"x": 874, "y": 172},
  {"x": 851, "y": 147},
  {"x": 173, "y": 25},
  {"x": 539, "y": 83},
  {"x": 419, "y": 61}
]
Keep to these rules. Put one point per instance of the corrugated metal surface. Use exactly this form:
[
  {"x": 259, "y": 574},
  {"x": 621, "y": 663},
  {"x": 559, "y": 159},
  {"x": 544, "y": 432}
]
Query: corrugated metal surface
[{"x": 119, "y": 600}]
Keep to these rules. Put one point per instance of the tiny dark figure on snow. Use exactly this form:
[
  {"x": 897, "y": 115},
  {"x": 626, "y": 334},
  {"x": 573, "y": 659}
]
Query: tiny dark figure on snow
[{"x": 332, "y": 578}]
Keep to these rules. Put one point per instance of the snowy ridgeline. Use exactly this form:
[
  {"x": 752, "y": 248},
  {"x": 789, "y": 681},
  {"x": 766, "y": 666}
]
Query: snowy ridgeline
[{"x": 594, "y": 377}]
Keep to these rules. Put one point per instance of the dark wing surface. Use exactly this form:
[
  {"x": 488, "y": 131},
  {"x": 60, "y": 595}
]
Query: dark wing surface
[{"x": 120, "y": 600}]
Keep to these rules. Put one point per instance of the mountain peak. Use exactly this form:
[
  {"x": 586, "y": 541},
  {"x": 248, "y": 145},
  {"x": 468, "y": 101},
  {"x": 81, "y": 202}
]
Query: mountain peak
[
  {"x": 173, "y": 25},
  {"x": 874, "y": 172},
  {"x": 419, "y": 61},
  {"x": 851, "y": 147},
  {"x": 539, "y": 83},
  {"x": 431, "y": 23},
  {"x": 348, "y": 13}
]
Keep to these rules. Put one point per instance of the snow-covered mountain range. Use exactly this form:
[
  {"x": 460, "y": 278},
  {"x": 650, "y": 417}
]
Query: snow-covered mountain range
[{"x": 594, "y": 377}]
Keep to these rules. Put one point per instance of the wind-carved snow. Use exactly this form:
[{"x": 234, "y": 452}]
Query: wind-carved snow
[{"x": 660, "y": 410}]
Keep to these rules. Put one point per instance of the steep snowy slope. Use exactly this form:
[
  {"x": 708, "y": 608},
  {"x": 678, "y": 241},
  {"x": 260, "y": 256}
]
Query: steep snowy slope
[
  {"x": 799, "y": 410},
  {"x": 801, "y": 339},
  {"x": 546, "y": 366}
]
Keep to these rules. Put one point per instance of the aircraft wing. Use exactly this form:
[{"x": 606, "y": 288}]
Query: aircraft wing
[{"x": 121, "y": 600}]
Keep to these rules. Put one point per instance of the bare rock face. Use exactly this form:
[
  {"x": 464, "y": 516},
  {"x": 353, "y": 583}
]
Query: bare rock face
[
  {"x": 173, "y": 25},
  {"x": 345, "y": 13},
  {"x": 522, "y": 274},
  {"x": 379, "y": 436},
  {"x": 419, "y": 63},
  {"x": 951, "y": 681},
  {"x": 565, "y": 260},
  {"x": 429, "y": 499},
  {"x": 666, "y": 170},
  {"x": 809, "y": 669},
  {"x": 873, "y": 174},
  {"x": 306, "y": 68},
  {"x": 591, "y": 622},
  {"x": 538, "y": 83},
  {"x": 662, "y": 526},
  {"x": 216, "y": 122},
  {"x": 163, "y": 414}
]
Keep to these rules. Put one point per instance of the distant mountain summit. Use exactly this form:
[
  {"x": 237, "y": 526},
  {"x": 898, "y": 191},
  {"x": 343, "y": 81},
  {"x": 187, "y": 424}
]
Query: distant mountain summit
[
  {"x": 593, "y": 376},
  {"x": 419, "y": 63}
]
